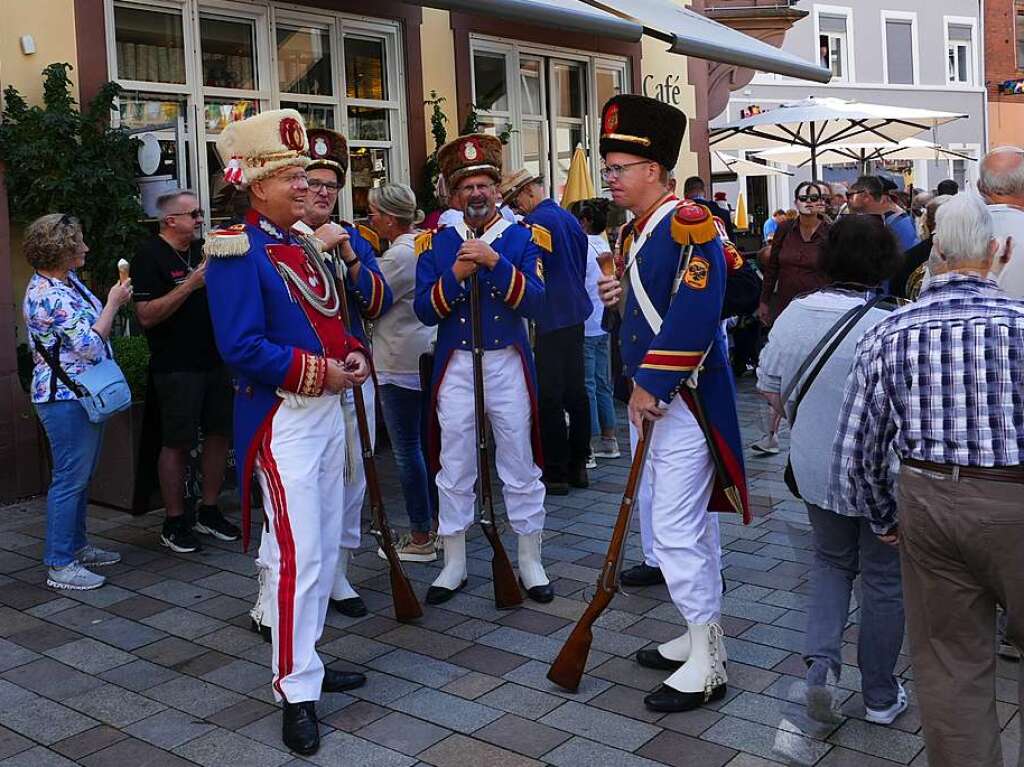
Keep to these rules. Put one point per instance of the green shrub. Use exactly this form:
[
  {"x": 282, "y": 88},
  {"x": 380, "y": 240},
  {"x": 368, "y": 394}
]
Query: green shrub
[{"x": 132, "y": 354}]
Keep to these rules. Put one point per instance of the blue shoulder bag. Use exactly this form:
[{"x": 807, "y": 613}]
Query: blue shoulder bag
[{"x": 102, "y": 389}]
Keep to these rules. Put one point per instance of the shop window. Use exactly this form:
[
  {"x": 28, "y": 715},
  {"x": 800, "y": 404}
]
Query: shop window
[
  {"x": 833, "y": 45},
  {"x": 959, "y": 54},
  {"x": 365, "y": 68},
  {"x": 899, "y": 51},
  {"x": 304, "y": 61},
  {"x": 229, "y": 59},
  {"x": 1020, "y": 37},
  {"x": 149, "y": 45}
]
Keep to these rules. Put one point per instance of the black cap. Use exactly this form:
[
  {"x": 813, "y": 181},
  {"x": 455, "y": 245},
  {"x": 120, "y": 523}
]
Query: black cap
[{"x": 644, "y": 127}]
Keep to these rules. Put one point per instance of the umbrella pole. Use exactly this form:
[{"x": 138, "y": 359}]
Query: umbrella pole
[{"x": 814, "y": 161}]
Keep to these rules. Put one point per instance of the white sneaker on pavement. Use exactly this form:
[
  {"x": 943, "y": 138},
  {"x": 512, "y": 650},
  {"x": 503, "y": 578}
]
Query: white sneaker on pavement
[
  {"x": 888, "y": 715},
  {"x": 767, "y": 445},
  {"x": 93, "y": 556},
  {"x": 73, "y": 576}
]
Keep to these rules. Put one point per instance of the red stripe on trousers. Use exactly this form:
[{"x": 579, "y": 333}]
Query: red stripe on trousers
[{"x": 286, "y": 580}]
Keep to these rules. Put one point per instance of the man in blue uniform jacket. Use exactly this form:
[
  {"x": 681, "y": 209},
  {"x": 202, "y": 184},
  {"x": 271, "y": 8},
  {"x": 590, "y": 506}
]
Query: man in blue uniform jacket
[
  {"x": 673, "y": 348},
  {"x": 276, "y": 320},
  {"x": 505, "y": 256},
  {"x": 558, "y": 346}
]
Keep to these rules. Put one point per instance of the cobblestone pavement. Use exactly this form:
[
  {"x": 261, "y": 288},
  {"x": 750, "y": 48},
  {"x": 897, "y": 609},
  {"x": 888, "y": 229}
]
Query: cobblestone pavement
[{"x": 159, "y": 668}]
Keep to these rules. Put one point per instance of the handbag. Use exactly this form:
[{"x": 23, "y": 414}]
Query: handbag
[
  {"x": 101, "y": 389},
  {"x": 831, "y": 340}
]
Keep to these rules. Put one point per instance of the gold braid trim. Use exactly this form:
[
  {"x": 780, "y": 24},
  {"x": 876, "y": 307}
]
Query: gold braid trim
[{"x": 314, "y": 372}]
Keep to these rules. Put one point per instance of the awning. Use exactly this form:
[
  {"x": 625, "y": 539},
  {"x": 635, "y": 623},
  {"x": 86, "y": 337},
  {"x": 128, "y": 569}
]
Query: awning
[
  {"x": 691, "y": 34},
  {"x": 687, "y": 32},
  {"x": 570, "y": 15}
]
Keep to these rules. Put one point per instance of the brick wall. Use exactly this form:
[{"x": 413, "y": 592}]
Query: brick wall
[{"x": 1001, "y": 46}]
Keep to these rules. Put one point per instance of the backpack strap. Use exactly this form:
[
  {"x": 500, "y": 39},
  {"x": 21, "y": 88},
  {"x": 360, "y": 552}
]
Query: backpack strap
[{"x": 52, "y": 358}]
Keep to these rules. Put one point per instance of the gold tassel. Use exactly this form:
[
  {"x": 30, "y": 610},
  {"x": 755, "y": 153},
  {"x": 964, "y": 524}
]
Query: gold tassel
[{"x": 223, "y": 243}]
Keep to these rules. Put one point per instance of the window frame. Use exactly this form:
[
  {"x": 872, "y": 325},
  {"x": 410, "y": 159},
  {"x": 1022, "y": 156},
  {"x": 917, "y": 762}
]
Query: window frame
[
  {"x": 972, "y": 57},
  {"x": 849, "y": 47},
  {"x": 915, "y": 60},
  {"x": 265, "y": 16},
  {"x": 1018, "y": 31}
]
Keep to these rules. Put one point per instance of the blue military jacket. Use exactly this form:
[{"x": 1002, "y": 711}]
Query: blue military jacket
[
  {"x": 565, "y": 269},
  {"x": 267, "y": 330},
  {"x": 683, "y": 269},
  {"x": 509, "y": 293}
]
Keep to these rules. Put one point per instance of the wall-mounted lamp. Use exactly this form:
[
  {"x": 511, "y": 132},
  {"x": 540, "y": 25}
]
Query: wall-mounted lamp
[{"x": 28, "y": 45}]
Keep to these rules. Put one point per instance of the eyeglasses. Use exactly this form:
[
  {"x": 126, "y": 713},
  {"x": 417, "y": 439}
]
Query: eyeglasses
[
  {"x": 315, "y": 185},
  {"x": 296, "y": 180},
  {"x": 612, "y": 172},
  {"x": 809, "y": 198},
  {"x": 195, "y": 213}
]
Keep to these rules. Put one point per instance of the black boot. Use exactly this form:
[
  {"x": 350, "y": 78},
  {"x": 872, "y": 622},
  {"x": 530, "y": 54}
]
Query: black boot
[
  {"x": 667, "y": 699},
  {"x": 438, "y": 595},
  {"x": 652, "y": 658},
  {"x": 541, "y": 594},
  {"x": 339, "y": 681},
  {"x": 299, "y": 730},
  {"x": 352, "y": 608},
  {"x": 259, "y": 628},
  {"x": 641, "y": 575}
]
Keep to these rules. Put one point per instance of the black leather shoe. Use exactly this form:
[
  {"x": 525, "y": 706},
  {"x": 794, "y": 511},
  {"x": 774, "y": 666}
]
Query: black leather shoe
[
  {"x": 667, "y": 699},
  {"x": 339, "y": 681},
  {"x": 578, "y": 477},
  {"x": 353, "y": 608},
  {"x": 542, "y": 594},
  {"x": 652, "y": 658},
  {"x": 259, "y": 628},
  {"x": 300, "y": 731},
  {"x": 641, "y": 575},
  {"x": 438, "y": 595},
  {"x": 556, "y": 488}
]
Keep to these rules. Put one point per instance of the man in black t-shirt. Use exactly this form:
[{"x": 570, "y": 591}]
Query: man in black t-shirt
[{"x": 192, "y": 384}]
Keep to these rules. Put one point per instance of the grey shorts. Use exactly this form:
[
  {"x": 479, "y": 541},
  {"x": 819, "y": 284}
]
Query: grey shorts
[{"x": 193, "y": 398}]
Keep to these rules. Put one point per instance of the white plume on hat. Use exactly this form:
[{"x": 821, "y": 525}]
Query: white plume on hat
[{"x": 261, "y": 145}]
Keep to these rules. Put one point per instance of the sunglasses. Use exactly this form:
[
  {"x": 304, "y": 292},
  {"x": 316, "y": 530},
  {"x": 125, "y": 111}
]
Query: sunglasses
[
  {"x": 809, "y": 198},
  {"x": 194, "y": 213}
]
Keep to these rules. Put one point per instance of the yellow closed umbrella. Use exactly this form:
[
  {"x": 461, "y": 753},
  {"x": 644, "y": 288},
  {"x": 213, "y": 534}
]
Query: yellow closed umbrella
[
  {"x": 578, "y": 183},
  {"x": 740, "y": 215}
]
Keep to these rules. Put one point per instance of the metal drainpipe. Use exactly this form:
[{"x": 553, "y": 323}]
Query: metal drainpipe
[{"x": 983, "y": 78}]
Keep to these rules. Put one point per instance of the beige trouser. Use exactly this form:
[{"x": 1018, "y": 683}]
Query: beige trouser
[{"x": 962, "y": 553}]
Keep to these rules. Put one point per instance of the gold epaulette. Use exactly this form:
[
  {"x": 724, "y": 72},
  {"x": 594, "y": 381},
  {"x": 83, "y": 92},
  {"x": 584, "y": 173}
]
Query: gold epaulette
[
  {"x": 222, "y": 243},
  {"x": 369, "y": 235},
  {"x": 693, "y": 224},
  {"x": 541, "y": 236},
  {"x": 424, "y": 241}
]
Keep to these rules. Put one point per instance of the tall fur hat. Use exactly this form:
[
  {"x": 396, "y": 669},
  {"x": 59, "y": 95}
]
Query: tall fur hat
[
  {"x": 644, "y": 127},
  {"x": 328, "y": 149},
  {"x": 477, "y": 153},
  {"x": 261, "y": 145}
]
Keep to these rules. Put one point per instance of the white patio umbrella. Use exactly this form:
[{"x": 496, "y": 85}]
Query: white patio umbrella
[
  {"x": 831, "y": 154},
  {"x": 815, "y": 122},
  {"x": 722, "y": 163}
]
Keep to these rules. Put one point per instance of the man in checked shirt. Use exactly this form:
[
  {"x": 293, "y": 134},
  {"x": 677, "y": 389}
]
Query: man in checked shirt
[{"x": 936, "y": 397}]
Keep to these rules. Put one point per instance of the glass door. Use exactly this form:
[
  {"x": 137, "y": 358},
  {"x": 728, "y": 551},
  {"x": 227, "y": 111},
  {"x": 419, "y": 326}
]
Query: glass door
[{"x": 568, "y": 110}]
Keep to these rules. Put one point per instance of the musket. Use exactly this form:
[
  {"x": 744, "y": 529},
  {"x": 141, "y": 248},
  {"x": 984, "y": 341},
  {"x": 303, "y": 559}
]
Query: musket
[
  {"x": 407, "y": 606},
  {"x": 567, "y": 670},
  {"x": 506, "y": 590}
]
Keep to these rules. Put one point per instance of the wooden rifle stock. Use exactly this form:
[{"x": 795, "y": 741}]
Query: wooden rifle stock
[
  {"x": 407, "y": 606},
  {"x": 506, "y": 589},
  {"x": 567, "y": 670}
]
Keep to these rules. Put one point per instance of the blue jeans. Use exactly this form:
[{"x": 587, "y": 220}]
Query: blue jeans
[
  {"x": 843, "y": 548},
  {"x": 403, "y": 409},
  {"x": 75, "y": 449},
  {"x": 598, "y": 379}
]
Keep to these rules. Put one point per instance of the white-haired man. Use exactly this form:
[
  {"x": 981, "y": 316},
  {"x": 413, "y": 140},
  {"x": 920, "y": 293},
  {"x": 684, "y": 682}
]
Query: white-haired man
[
  {"x": 937, "y": 384},
  {"x": 1001, "y": 182}
]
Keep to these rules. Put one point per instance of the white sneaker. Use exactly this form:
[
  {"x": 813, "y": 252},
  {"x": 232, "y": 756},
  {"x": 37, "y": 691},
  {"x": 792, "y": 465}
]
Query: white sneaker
[
  {"x": 888, "y": 715},
  {"x": 606, "y": 447},
  {"x": 92, "y": 556},
  {"x": 591, "y": 461},
  {"x": 767, "y": 445},
  {"x": 74, "y": 577}
]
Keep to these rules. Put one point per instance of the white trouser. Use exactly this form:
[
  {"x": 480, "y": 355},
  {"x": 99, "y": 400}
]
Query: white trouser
[
  {"x": 300, "y": 468},
  {"x": 685, "y": 534},
  {"x": 643, "y": 503},
  {"x": 507, "y": 405},
  {"x": 355, "y": 488}
]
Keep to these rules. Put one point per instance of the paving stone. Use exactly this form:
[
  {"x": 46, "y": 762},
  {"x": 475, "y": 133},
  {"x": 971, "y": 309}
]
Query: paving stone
[
  {"x": 524, "y": 701},
  {"x": 113, "y": 705},
  {"x": 878, "y": 741},
  {"x": 169, "y": 729},
  {"x": 343, "y": 748},
  {"x": 43, "y": 720},
  {"x": 775, "y": 636},
  {"x": 628, "y": 672},
  {"x": 205, "y": 663},
  {"x": 681, "y": 751},
  {"x": 170, "y": 651},
  {"x": 611, "y": 642},
  {"x": 44, "y": 609},
  {"x": 578, "y": 752},
  {"x": 223, "y": 608},
  {"x": 355, "y": 648},
  {"x": 471, "y": 629},
  {"x": 472, "y": 685},
  {"x": 489, "y": 660},
  {"x": 123, "y": 633},
  {"x": 178, "y": 592},
  {"x": 383, "y": 688},
  {"x": 12, "y": 743},
  {"x": 183, "y": 623},
  {"x": 138, "y": 607},
  {"x": 754, "y": 654},
  {"x": 460, "y": 751},
  {"x": 221, "y": 747},
  {"x": 843, "y": 757},
  {"x": 355, "y": 716},
  {"x": 446, "y": 710},
  {"x": 425, "y": 642},
  {"x": 239, "y": 715},
  {"x": 534, "y": 674},
  {"x": 403, "y": 733},
  {"x": 533, "y": 621},
  {"x": 44, "y": 636},
  {"x": 239, "y": 675},
  {"x": 37, "y": 757},
  {"x": 602, "y": 726},
  {"x": 627, "y": 701},
  {"x": 90, "y": 656},
  {"x": 417, "y": 668},
  {"x": 690, "y": 722},
  {"x": 88, "y": 742},
  {"x": 194, "y": 696},
  {"x": 522, "y": 735},
  {"x": 139, "y": 675},
  {"x": 13, "y": 655},
  {"x": 52, "y": 679},
  {"x": 784, "y": 743}
]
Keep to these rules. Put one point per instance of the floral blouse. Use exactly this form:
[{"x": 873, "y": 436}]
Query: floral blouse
[{"x": 61, "y": 312}]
